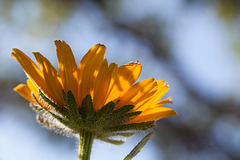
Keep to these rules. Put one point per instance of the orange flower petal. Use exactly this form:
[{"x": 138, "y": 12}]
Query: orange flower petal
[
  {"x": 51, "y": 78},
  {"x": 33, "y": 88},
  {"x": 153, "y": 114},
  {"x": 30, "y": 68},
  {"x": 126, "y": 76},
  {"x": 138, "y": 92},
  {"x": 89, "y": 68},
  {"x": 25, "y": 92},
  {"x": 102, "y": 84},
  {"x": 67, "y": 67},
  {"x": 35, "y": 91},
  {"x": 162, "y": 89},
  {"x": 162, "y": 102}
]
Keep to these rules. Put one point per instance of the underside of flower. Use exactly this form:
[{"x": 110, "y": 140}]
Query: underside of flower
[
  {"x": 102, "y": 99},
  {"x": 105, "y": 124}
]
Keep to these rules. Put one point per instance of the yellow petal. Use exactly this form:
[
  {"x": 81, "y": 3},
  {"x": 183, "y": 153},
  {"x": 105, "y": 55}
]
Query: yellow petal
[
  {"x": 67, "y": 67},
  {"x": 51, "y": 77},
  {"x": 33, "y": 88},
  {"x": 144, "y": 99},
  {"x": 162, "y": 89},
  {"x": 90, "y": 54},
  {"x": 30, "y": 68},
  {"x": 153, "y": 114},
  {"x": 89, "y": 68},
  {"x": 102, "y": 84},
  {"x": 127, "y": 75},
  {"x": 25, "y": 92},
  {"x": 162, "y": 102},
  {"x": 35, "y": 91},
  {"x": 114, "y": 69},
  {"x": 138, "y": 92}
]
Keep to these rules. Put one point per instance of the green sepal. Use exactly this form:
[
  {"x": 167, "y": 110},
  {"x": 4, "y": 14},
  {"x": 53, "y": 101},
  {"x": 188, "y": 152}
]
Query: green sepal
[
  {"x": 106, "y": 124},
  {"x": 117, "y": 117},
  {"x": 49, "y": 102},
  {"x": 87, "y": 110},
  {"x": 64, "y": 122},
  {"x": 112, "y": 141},
  {"x": 38, "y": 109},
  {"x": 104, "y": 112},
  {"x": 120, "y": 118},
  {"x": 131, "y": 126},
  {"x": 139, "y": 146},
  {"x": 122, "y": 110},
  {"x": 131, "y": 115},
  {"x": 72, "y": 108},
  {"x": 125, "y": 134},
  {"x": 64, "y": 95},
  {"x": 45, "y": 122}
]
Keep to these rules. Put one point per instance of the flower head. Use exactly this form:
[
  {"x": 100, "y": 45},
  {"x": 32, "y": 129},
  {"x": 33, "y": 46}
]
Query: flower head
[{"x": 80, "y": 96}]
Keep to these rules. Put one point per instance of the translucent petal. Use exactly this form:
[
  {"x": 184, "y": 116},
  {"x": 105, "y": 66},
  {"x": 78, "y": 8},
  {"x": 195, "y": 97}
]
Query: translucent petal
[
  {"x": 33, "y": 88},
  {"x": 30, "y": 69},
  {"x": 102, "y": 84},
  {"x": 153, "y": 114},
  {"x": 67, "y": 67},
  {"x": 90, "y": 66},
  {"x": 162, "y": 88},
  {"x": 35, "y": 91},
  {"x": 51, "y": 78},
  {"x": 25, "y": 92},
  {"x": 126, "y": 76},
  {"x": 138, "y": 92}
]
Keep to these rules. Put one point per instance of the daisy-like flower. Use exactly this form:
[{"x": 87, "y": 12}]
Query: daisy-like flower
[{"x": 94, "y": 97}]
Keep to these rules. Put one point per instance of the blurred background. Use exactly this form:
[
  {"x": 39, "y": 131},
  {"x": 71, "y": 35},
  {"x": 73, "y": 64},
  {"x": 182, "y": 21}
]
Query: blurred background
[{"x": 194, "y": 45}]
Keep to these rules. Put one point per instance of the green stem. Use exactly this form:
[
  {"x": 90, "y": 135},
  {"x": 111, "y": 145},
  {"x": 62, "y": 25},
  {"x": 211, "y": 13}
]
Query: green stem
[{"x": 85, "y": 145}]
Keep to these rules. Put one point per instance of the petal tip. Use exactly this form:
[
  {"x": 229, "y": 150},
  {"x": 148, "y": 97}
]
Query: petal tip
[
  {"x": 59, "y": 42},
  {"x": 174, "y": 113},
  {"x": 101, "y": 45},
  {"x": 14, "y": 51}
]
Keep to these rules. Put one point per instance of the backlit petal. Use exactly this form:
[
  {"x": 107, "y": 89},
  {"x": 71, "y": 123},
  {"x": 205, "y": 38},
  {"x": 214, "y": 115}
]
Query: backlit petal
[
  {"x": 67, "y": 67},
  {"x": 154, "y": 114},
  {"x": 126, "y": 76},
  {"x": 102, "y": 84},
  {"x": 51, "y": 77},
  {"x": 89, "y": 70},
  {"x": 161, "y": 90},
  {"x": 25, "y": 92},
  {"x": 35, "y": 91},
  {"x": 30, "y": 68},
  {"x": 33, "y": 88},
  {"x": 162, "y": 102},
  {"x": 138, "y": 92}
]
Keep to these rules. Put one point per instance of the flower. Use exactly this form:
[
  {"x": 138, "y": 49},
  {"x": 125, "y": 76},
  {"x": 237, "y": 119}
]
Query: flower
[{"x": 57, "y": 91}]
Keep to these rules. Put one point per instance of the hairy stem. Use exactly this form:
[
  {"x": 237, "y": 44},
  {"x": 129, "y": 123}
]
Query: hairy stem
[{"x": 85, "y": 145}]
